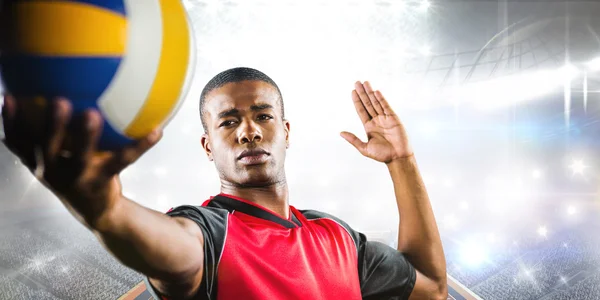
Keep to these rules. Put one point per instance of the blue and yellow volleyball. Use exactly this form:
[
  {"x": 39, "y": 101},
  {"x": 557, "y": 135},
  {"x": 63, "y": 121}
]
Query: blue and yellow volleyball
[{"x": 132, "y": 60}]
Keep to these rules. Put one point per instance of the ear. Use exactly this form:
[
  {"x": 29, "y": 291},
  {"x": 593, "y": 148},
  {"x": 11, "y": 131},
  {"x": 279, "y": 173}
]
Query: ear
[
  {"x": 205, "y": 141},
  {"x": 286, "y": 127}
]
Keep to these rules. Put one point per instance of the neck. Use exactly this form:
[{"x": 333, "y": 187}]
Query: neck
[{"x": 273, "y": 197}]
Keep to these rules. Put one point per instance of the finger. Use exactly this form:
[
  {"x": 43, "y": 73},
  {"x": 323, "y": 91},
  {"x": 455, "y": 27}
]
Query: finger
[
  {"x": 387, "y": 109},
  {"x": 87, "y": 138},
  {"x": 356, "y": 142},
  {"x": 360, "y": 108},
  {"x": 129, "y": 155},
  {"x": 8, "y": 118},
  {"x": 373, "y": 98},
  {"x": 21, "y": 138},
  {"x": 59, "y": 117},
  {"x": 364, "y": 98}
]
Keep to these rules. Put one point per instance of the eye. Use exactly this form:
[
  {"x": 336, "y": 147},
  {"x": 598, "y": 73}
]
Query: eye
[
  {"x": 265, "y": 117},
  {"x": 227, "y": 123}
]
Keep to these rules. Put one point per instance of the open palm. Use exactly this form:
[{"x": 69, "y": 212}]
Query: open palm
[{"x": 387, "y": 138}]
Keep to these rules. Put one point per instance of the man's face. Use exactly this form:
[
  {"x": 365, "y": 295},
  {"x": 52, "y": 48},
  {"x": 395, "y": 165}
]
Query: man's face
[{"x": 246, "y": 136}]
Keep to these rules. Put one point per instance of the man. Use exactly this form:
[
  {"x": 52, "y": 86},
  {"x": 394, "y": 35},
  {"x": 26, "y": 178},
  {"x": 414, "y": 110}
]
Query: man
[{"x": 247, "y": 242}]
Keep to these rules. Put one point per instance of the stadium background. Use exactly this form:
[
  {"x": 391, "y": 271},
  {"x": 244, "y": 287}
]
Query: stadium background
[{"x": 501, "y": 100}]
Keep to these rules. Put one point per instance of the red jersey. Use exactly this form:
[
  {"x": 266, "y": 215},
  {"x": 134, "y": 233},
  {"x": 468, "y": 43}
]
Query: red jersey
[{"x": 252, "y": 253}]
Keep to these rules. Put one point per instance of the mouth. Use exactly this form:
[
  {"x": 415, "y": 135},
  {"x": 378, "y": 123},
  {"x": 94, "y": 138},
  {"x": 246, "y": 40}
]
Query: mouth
[
  {"x": 253, "y": 157},
  {"x": 253, "y": 152}
]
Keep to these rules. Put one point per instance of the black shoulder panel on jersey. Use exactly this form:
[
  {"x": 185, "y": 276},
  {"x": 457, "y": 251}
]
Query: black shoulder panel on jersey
[
  {"x": 213, "y": 223},
  {"x": 384, "y": 272}
]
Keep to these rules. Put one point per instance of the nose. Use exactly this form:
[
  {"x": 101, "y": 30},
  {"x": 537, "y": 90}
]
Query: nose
[{"x": 249, "y": 133}]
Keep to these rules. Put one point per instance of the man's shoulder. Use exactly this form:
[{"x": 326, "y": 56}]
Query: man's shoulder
[
  {"x": 314, "y": 215},
  {"x": 199, "y": 213},
  {"x": 311, "y": 214}
]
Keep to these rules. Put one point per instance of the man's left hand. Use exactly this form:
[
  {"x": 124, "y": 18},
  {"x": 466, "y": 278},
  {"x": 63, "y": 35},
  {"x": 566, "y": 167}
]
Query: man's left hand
[{"x": 387, "y": 138}]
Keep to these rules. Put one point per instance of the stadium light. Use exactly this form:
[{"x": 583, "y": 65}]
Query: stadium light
[
  {"x": 536, "y": 174},
  {"x": 509, "y": 90},
  {"x": 543, "y": 231},
  {"x": 577, "y": 166},
  {"x": 568, "y": 71},
  {"x": 594, "y": 65},
  {"x": 37, "y": 263},
  {"x": 424, "y": 6},
  {"x": 473, "y": 254},
  {"x": 571, "y": 210}
]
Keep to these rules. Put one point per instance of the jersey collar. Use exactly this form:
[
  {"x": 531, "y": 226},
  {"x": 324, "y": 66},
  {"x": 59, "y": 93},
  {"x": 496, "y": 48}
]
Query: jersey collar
[{"x": 231, "y": 203}]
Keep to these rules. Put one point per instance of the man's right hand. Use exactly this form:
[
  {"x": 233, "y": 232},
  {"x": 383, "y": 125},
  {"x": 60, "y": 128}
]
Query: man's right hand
[{"x": 61, "y": 151}]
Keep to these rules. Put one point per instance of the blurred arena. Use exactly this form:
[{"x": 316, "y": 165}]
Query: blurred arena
[{"x": 501, "y": 100}]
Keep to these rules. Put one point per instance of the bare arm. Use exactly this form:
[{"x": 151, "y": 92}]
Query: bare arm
[
  {"x": 168, "y": 250},
  {"x": 419, "y": 239},
  {"x": 418, "y": 236}
]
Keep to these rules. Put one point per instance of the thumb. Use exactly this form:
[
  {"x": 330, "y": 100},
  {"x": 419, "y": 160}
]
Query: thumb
[
  {"x": 356, "y": 142},
  {"x": 125, "y": 157}
]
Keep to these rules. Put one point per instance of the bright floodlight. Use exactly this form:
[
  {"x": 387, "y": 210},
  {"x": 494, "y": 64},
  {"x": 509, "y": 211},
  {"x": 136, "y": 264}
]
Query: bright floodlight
[
  {"x": 542, "y": 231},
  {"x": 577, "y": 166},
  {"x": 537, "y": 174},
  {"x": 473, "y": 254},
  {"x": 38, "y": 262},
  {"x": 594, "y": 65},
  {"x": 569, "y": 71},
  {"x": 509, "y": 90},
  {"x": 425, "y": 5},
  {"x": 571, "y": 210}
]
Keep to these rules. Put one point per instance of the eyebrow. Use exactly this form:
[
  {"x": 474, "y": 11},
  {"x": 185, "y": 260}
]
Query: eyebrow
[{"x": 235, "y": 111}]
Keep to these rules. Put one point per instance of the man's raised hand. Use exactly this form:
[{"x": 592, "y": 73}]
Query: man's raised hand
[{"x": 387, "y": 138}]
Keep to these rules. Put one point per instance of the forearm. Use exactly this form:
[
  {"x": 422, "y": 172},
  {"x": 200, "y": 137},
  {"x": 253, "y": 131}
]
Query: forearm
[
  {"x": 418, "y": 235},
  {"x": 150, "y": 242}
]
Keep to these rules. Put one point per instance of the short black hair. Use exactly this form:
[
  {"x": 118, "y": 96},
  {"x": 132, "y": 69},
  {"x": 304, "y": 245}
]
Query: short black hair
[{"x": 236, "y": 75}]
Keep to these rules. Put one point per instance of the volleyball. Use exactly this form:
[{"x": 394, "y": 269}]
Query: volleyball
[{"x": 132, "y": 60}]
